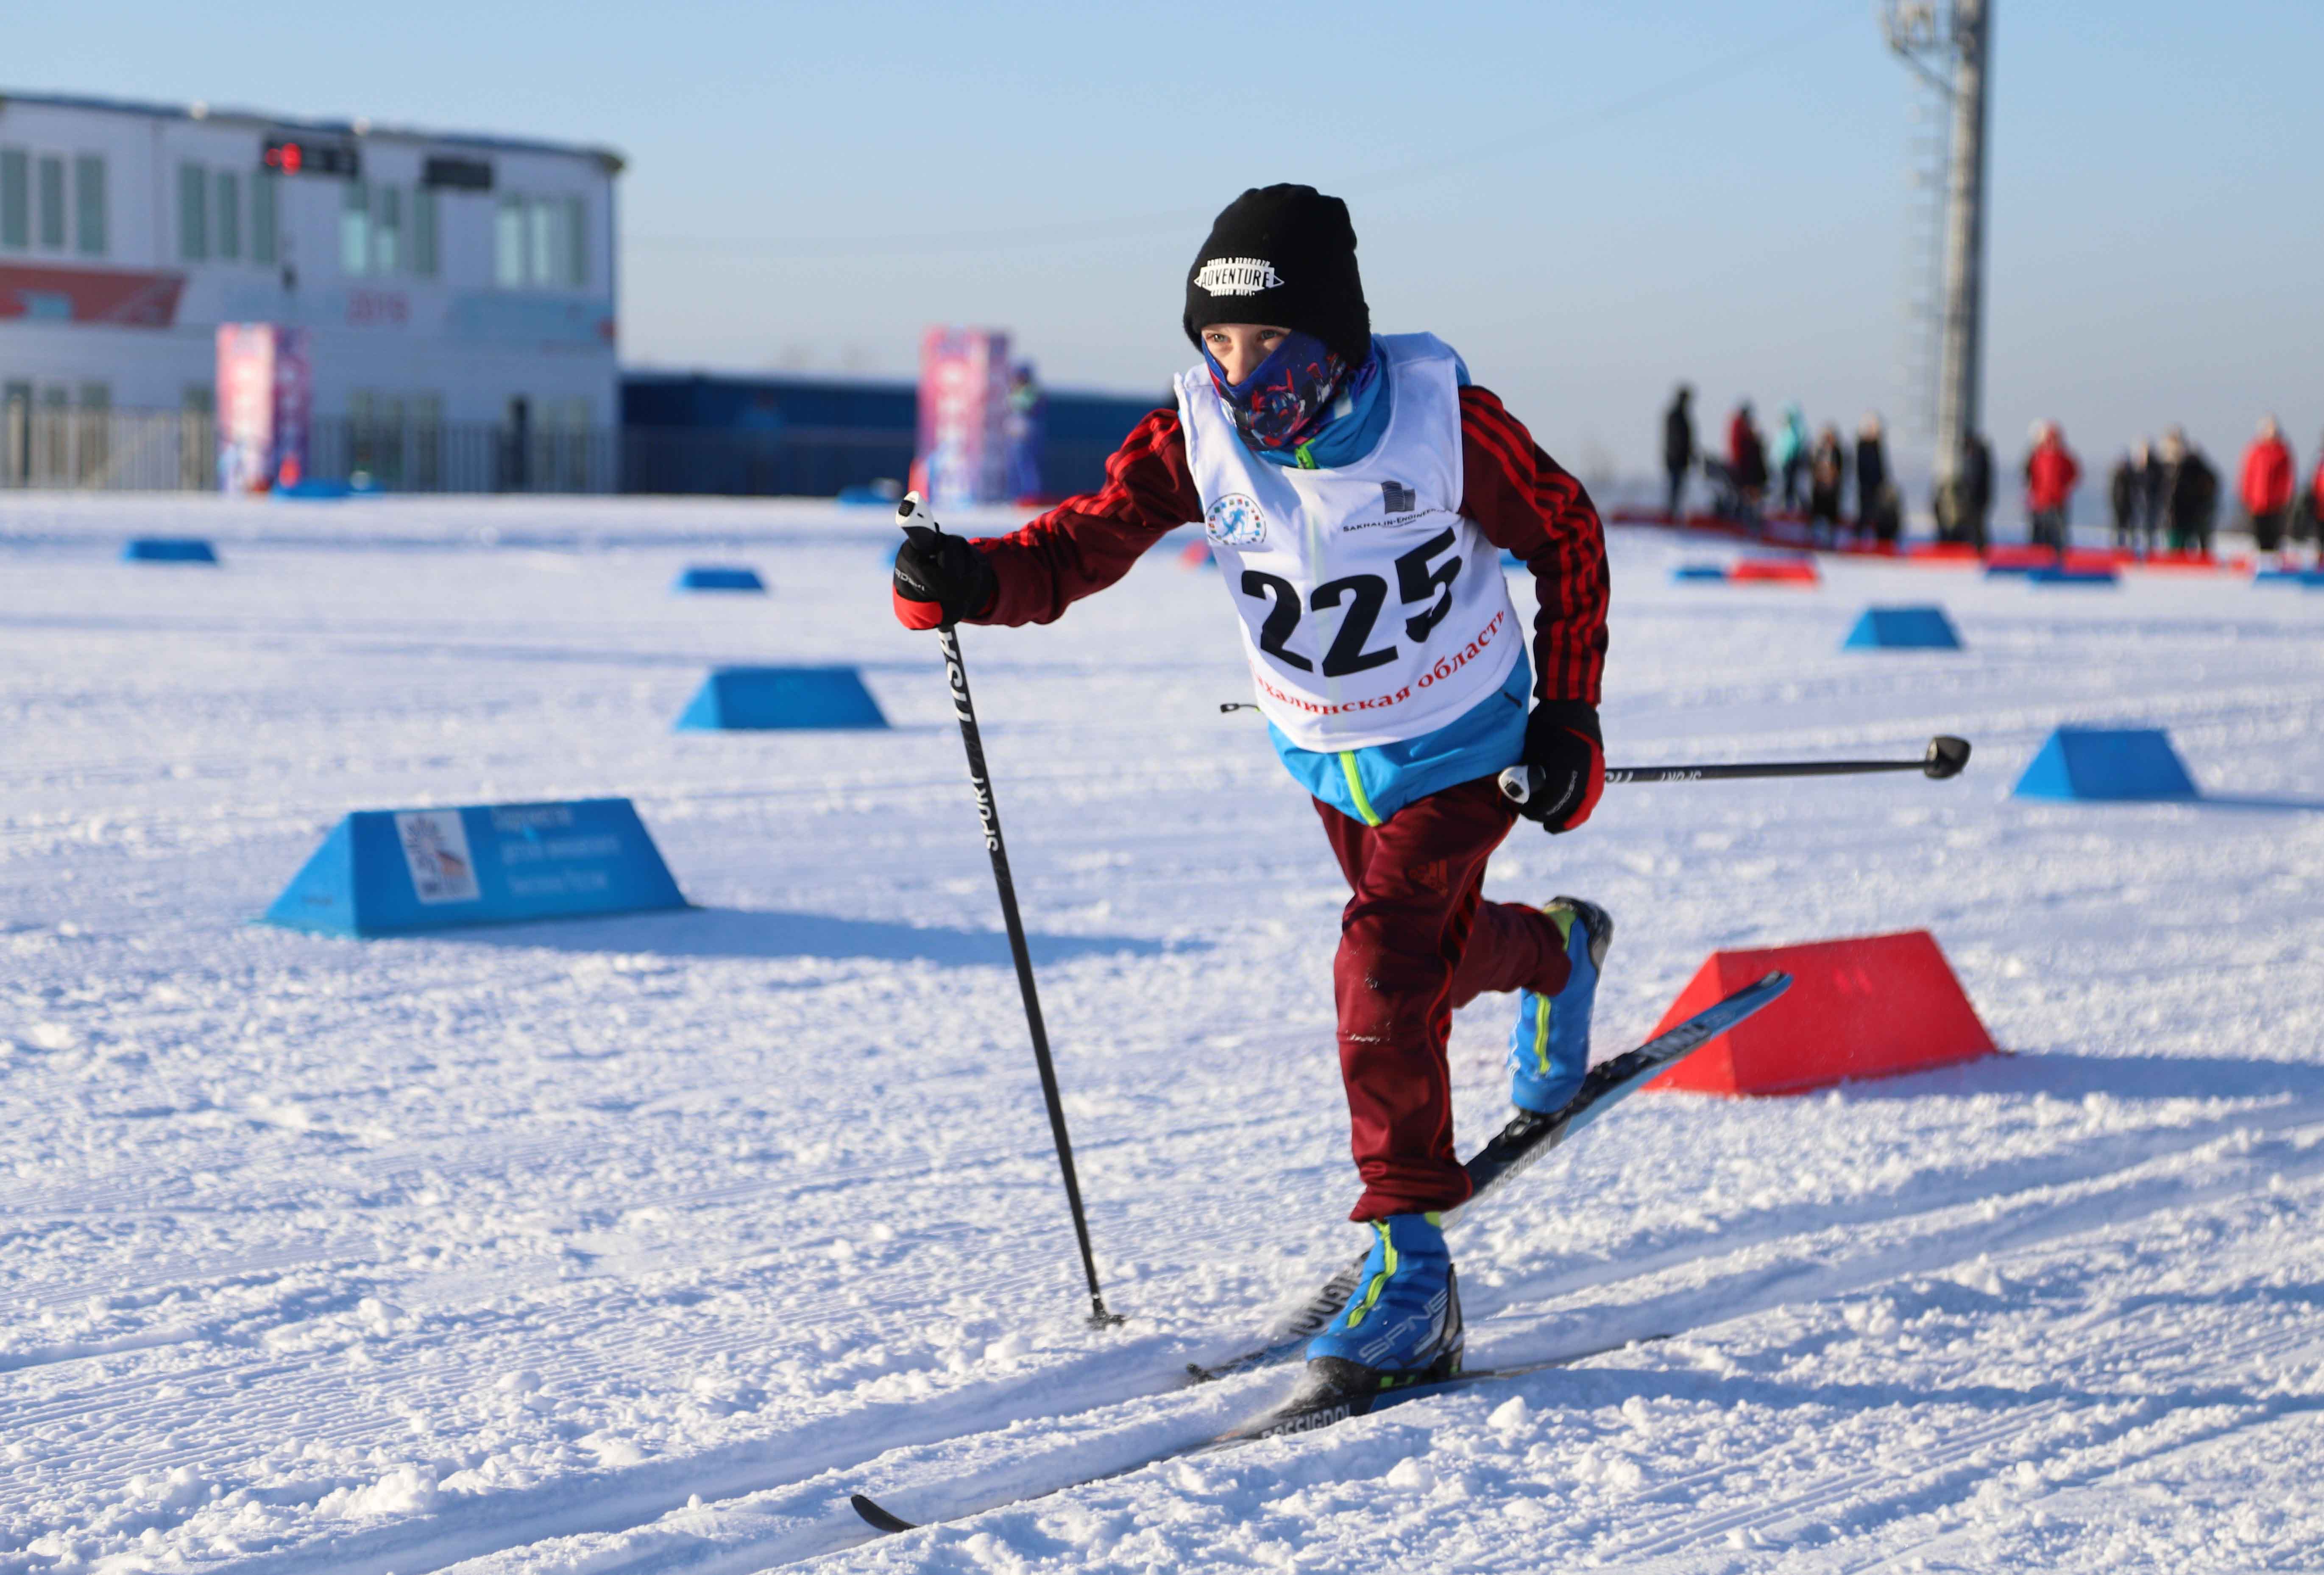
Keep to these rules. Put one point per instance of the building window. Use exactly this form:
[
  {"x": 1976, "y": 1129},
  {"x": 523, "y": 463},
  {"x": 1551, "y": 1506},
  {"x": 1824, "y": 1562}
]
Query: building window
[
  {"x": 423, "y": 232},
  {"x": 197, "y": 439},
  {"x": 193, "y": 213},
  {"x": 227, "y": 195},
  {"x": 52, "y": 203},
  {"x": 355, "y": 231},
  {"x": 540, "y": 242},
  {"x": 508, "y": 244},
  {"x": 94, "y": 451},
  {"x": 53, "y": 458},
  {"x": 545, "y": 244},
  {"x": 387, "y": 230},
  {"x": 427, "y": 442},
  {"x": 15, "y": 199},
  {"x": 89, "y": 205},
  {"x": 576, "y": 243},
  {"x": 262, "y": 222}
]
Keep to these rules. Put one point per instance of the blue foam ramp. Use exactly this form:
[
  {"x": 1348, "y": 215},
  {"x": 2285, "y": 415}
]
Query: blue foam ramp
[
  {"x": 314, "y": 490},
  {"x": 169, "y": 550},
  {"x": 1921, "y": 628},
  {"x": 399, "y": 871},
  {"x": 759, "y": 698},
  {"x": 1698, "y": 571},
  {"x": 2070, "y": 576},
  {"x": 710, "y": 576},
  {"x": 2101, "y": 762}
]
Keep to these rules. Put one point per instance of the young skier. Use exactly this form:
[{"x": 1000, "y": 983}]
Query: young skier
[{"x": 1357, "y": 489}]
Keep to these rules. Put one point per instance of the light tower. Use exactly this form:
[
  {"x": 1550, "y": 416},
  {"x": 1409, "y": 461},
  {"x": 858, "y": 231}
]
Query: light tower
[{"x": 1948, "y": 45}]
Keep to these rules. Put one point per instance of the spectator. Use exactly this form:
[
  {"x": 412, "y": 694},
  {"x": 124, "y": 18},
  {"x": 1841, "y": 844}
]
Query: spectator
[
  {"x": 1024, "y": 422},
  {"x": 1827, "y": 477},
  {"x": 2267, "y": 486},
  {"x": 1977, "y": 488},
  {"x": 2157, "y": 478},
  {"x": 1875, "y": 501},
  {"x": 2190, "y": 494},
  {"x": 2051, "y": 477},
  {"x": 1792, "y": 453},
  {"x": 1678, "y": 447},
  {"x": 1746, "y": 461},
  {"x": 2127, "y": 492}
]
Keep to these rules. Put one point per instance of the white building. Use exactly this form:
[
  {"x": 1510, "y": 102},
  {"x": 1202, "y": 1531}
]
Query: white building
[{"x": 448, "y": 281}]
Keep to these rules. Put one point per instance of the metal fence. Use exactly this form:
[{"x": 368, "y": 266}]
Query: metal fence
[{"x": 109, "y": 450}]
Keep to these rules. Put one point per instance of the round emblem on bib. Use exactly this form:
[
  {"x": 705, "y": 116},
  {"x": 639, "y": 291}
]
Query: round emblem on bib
[{"x": 1234, "y": 521}]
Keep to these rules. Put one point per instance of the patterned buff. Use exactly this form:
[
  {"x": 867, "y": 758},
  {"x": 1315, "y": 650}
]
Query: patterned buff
[{"x": 1286, "y": 399}]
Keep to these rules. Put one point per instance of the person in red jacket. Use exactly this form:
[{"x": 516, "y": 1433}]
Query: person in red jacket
[
  {"x": 2050, "y": 476},
  {"x": 2315, "y": 523},
  {"x": 2267, "y": 486},
  {"x": 1358, "y": 490}
]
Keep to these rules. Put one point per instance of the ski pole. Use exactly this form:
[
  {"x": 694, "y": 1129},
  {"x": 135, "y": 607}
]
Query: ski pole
[
  {"x": 1944, "y": 757},
  {"x": 989, "y": 812}
]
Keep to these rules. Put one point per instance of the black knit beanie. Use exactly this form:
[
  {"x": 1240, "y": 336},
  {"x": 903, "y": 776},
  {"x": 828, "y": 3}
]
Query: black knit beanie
[{"x": 1284, "y": 255}]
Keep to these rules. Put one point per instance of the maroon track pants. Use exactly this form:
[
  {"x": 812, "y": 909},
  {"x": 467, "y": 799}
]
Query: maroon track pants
[{"x": 1416, "y": 940}]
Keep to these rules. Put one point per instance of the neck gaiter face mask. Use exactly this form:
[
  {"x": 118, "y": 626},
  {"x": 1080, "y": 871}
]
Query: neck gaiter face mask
[{"x": 1287, "y": 397}]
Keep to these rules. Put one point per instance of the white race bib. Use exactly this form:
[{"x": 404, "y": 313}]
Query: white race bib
[{"x": 1372, "y": 611}]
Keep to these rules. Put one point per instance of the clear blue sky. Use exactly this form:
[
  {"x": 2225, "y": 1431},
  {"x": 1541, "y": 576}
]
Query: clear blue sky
[{"x": 1611, "y": 196}]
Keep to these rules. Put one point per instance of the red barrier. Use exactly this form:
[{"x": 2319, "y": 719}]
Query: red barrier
[
  {"x": 2190, "y": 562},
  {"x": 1870, "y": 1007},
  {"x": 2019, "y": 558},
  {"x": 1790, "y": 571}
]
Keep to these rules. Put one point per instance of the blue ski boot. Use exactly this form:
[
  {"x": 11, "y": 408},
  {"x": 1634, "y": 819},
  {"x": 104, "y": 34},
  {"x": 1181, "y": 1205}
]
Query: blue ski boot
[
  {"x": 1549, "y": 1048},
  {"x": 1403, "y": 1323}
]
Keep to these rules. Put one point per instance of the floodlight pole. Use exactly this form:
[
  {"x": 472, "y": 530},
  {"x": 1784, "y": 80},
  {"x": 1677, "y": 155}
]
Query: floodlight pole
[{"x": 1916, "y": 32}]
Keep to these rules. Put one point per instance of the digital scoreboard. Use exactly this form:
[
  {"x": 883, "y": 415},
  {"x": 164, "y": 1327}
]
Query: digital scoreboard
[{"x": 311, "y": 156}]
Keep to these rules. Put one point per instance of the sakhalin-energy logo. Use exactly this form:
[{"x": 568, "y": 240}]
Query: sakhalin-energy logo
[
  {"x": 1234, "y": 521},
  {"x": 1237, "y": 275}
]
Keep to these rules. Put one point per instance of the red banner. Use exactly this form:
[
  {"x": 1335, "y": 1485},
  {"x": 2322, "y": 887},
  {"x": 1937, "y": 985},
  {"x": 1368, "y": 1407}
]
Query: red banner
[
  {"x": 90, "y": 295},
  {"x": 963, "y": 446}
]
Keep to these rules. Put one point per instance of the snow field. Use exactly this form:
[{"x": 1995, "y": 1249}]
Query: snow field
[{"x": 637, "y": 1244}]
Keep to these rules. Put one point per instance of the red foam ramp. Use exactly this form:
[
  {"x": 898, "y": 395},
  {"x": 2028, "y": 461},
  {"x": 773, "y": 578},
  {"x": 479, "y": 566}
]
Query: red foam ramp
[
  {"x": 2018, "y": 557},
  {"x": 1872, "y": 1006},
  {"x": 1775, "y": 570}
]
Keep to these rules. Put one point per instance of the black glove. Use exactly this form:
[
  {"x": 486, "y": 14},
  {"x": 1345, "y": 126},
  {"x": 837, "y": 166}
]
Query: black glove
[
  {"x": 941, "y": 579},
  {"x": 1566, "y": 764}
]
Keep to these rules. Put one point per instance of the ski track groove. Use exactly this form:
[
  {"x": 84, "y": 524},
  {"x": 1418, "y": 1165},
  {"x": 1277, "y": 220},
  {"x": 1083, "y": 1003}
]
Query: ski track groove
[
  {"x": 1913, "y": 1478},
  {"x": 553, "y": 1325},
  {"x": 1840, "y": 1283}
]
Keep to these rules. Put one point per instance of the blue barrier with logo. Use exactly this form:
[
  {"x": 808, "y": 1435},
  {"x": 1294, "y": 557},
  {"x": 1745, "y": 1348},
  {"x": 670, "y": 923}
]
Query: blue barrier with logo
[
  {"x": 396, "y": 872},
  {"x": 169, "y": 550},
  {"x": 707, "y": 576},
  {"x": 754, "y": 699}
]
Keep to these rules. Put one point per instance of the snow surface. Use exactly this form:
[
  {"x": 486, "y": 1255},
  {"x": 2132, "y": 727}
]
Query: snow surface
[{"x": 637, "y": 1244}]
